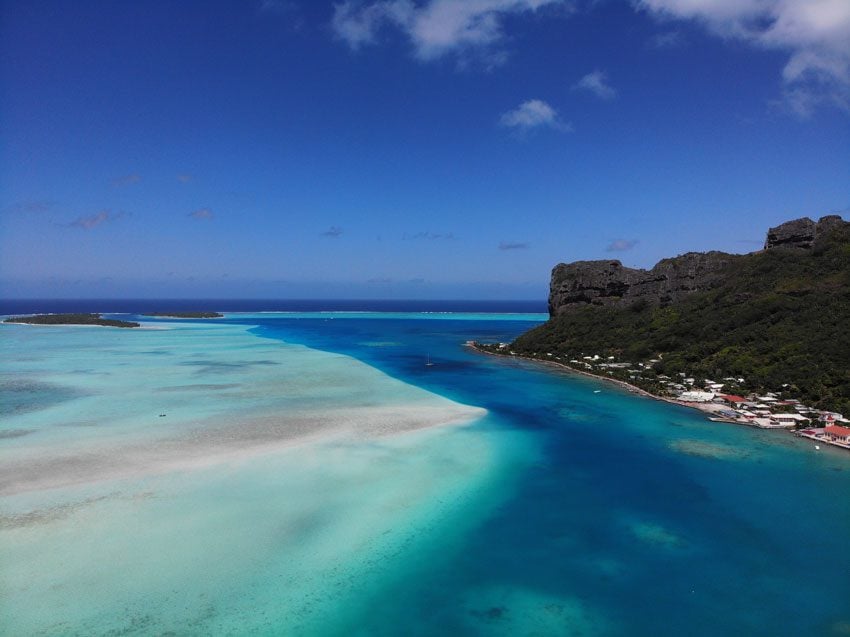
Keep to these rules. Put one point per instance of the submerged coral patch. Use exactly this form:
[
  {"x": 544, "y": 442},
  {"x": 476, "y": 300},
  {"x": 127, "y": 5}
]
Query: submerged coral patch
[
  {"x": 703, "y": 449},
  {"x": 513, "y": 611}
]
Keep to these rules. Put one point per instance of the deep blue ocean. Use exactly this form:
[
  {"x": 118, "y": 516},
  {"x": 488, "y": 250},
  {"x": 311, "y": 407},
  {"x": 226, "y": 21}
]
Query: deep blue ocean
[
  {"x": 736, "y": 545},
  {"x": 21, "y": 306},
  {"x": 668, "y": 522}
]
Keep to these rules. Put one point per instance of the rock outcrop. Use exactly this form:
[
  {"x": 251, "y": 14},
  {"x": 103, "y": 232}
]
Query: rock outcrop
[
  {"x": 610, "y": 283},
  {"x": 801, "y": 233},
  {"x": 583, "y": 283}
]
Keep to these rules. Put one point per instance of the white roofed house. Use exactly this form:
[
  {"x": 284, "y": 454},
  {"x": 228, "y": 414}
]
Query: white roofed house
[
  {"x": 831, "y": 417},
  {"x": 695, "y": 396},
  {"x": 790, "y": 420}
]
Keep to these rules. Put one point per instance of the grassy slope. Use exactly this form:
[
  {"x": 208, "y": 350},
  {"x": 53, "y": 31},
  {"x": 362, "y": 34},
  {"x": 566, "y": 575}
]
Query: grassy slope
[{"x": 782, "y": 316}]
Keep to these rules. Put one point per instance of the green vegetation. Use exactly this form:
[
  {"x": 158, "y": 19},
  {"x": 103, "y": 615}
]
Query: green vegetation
[
  {"x": 202, "y": 315},
  {"x": 781, "y": 321},
  {"x": 70, "y": 319}
]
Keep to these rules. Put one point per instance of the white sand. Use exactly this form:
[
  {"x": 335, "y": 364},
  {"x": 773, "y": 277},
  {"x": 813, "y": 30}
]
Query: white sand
[{"x": 214, "y": 443}]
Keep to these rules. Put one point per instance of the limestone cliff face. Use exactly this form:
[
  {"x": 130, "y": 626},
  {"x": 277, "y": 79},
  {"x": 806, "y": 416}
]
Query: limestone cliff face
[
  {"x": 801, "y": 233},
  {"x": 583, "y": 283},
  {"x": 610, "y": 283}
]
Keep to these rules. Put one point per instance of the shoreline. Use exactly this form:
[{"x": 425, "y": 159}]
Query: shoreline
[
  {"x": 633, "y": 389},
  {"x": 710, "y": 409},
  {"x": 120, "y": 327}
]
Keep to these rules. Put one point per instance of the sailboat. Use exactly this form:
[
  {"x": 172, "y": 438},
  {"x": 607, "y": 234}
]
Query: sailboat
[{"x": 428, "y": 362}]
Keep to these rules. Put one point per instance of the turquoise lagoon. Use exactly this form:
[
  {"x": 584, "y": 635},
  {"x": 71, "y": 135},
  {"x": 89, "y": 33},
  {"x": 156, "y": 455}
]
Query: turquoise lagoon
[{"x": 311, "y": 475}]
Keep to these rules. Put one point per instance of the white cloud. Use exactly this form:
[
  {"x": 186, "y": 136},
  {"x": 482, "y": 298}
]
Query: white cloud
[
  {"x": 29, "y": 207},
  {"x": 533, "y": 114},
  {"x": 93, "y": 221},
  {"x": 506, "y": 245},
  {"x": 667, "y": 40},
  {"x": 333, "y": 232},
  {"x": 596, "y": 83},
  {"x": 203, "y": 214},
  {"x": 126, "y": 180},
  {"x": 815, "y": 33},
  {"x": 429, "y": 236},
  {"x": 621, "y": 245},
  {"x": 435, "y": 27},
  {"x": 357, "y": 24}
]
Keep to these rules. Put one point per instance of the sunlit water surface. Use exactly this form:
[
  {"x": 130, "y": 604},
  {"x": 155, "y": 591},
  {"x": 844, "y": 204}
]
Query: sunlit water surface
[{"x": 311, "y": 474}]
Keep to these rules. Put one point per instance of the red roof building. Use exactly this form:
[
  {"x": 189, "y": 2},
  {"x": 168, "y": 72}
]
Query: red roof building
[
  {"x": 735, "y": 400},
  {"x": 837, "y": 432}
]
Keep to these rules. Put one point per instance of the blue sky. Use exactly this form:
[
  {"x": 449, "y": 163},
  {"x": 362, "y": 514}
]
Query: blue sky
[{"x": 401, "y": 149}]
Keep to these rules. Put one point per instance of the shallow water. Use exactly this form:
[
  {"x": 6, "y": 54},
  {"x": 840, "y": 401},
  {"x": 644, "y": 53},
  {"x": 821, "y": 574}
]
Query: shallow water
[{"x": 294, "y": 487}]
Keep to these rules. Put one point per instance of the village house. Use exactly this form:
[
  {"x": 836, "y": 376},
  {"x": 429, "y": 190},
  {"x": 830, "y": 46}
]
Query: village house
[
  {"x": 695, "y": 396},
  {"x": 826, "y": 427},
  {"x": 837, "y": 433},
  {"x": 790, "y": 419},
  {"x": 765, "y": 423},
  {"x": 735, "y": 401}
]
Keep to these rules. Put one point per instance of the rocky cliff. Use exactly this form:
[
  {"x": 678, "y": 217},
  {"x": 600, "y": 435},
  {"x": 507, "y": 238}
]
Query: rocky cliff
[
  {"x": 581, "y": 283},
  {"x": 801, "y": 233}
]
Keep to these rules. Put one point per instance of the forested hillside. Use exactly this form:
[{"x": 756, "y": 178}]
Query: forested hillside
[{"x": 780, "y": 319}]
